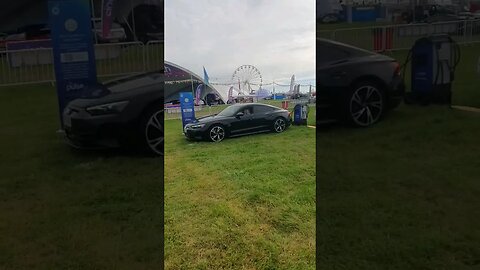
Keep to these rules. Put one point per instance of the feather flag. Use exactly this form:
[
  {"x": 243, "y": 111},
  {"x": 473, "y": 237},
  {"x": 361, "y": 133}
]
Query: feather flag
[
  {"x": 230, "y": 94},
  {"x": 205, "y": 76},
  {"x": 107, "y": 7},
  {"x": 198, "y": 94}
]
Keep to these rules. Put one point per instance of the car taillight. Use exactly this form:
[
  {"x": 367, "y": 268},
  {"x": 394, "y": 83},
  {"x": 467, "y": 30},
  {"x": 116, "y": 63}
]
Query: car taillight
[{"x": 398, "y": 69}]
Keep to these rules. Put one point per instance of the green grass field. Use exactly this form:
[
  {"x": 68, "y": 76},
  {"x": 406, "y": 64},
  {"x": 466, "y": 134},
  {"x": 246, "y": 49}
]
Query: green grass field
[
  {"x": 244, "y": 203},
  {"x": 65, "y": 209},
  {"x": 405, "y": 193}
]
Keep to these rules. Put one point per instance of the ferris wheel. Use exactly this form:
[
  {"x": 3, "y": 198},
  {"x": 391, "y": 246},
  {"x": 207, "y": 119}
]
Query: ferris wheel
[{"x": 248, "y": 79}]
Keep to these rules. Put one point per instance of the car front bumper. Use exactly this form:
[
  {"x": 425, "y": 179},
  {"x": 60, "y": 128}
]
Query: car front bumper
[
  {"x": 194, "y": 133},
  {"x": 85, "y": 131}
]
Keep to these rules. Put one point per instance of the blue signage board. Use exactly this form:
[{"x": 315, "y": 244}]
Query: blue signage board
[
  {"x": 188, "y": 107},
  {"x": 73, "y": 52}
]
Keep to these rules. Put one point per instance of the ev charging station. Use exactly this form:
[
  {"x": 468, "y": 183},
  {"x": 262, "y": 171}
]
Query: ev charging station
[
  {"x": 434, "y": 59},
  {"x": 300, "y": 114}
]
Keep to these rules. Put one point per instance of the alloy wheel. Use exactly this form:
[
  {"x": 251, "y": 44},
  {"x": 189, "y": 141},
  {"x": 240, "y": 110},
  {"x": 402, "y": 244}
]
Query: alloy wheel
[
  {"x": 279, "y": 125},
  {"x": 154, "y": 133},
  {"x": 366, "y": 105},
  {"x": 217, "y": 134}
]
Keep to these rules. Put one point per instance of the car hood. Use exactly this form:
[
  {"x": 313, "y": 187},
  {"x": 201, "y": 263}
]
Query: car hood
[
  {"x": 121, "y": 88},
  {"x": 374, "y": 58}
]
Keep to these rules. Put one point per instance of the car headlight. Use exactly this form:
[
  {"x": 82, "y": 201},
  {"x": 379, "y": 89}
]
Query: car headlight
[
  {"x": 109, "y": 108},
  {"x": 197, "y": 126}
]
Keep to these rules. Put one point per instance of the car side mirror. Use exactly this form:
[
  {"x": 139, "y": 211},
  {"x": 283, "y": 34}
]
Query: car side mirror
[{"x": 239, "y": 114}]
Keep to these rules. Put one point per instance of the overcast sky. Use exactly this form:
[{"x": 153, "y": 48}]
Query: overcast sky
[{"x": 276, "y": 36}]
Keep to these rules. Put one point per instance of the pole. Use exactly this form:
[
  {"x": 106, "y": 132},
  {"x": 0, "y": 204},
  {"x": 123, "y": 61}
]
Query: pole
[
  {"x": 413, "y": 9},
  {"x": 274, "y": 96},
  {"x": 191, "y": 80},
  {"x": 133, "y": 22},
  {"x": 92, "y": 17}
]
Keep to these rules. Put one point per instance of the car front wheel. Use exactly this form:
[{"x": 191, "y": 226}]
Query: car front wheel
[
  {"x": 216, "y": 133},
  {"x": 365, "y": 104},
  {"x": 151, "y": 131}
]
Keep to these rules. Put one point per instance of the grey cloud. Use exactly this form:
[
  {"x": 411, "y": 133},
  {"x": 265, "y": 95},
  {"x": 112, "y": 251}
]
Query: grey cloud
[{"x": 276, "y": 36}]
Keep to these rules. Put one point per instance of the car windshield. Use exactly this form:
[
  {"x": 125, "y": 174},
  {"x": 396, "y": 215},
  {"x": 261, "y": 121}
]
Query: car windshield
[{"x": 229, "y": 111}]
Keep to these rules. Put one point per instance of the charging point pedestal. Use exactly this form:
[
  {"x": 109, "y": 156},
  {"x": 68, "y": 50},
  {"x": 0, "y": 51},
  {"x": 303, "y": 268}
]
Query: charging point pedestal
[
  {"x": 434, "y": 59},
  {"x": 300, "y": 114}
]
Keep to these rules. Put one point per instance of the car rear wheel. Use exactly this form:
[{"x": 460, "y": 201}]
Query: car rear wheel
[
  {"x": 279, "y": 125},
  {"x": 151, "y": 131},
  {"x": 216, "y": 133},
  {"x": 365, "y": 104}
]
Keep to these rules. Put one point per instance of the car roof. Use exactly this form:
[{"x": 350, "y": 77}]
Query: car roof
[{"x": 254, "y": 104}]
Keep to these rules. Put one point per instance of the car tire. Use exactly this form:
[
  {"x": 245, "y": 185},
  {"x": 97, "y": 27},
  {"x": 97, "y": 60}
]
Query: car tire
[
  {"x": 279, "y": 125},
  {"x": 151, "y": 131},
  {"x": 365, "y": 104},
  {"x": 216, "y": 133}
]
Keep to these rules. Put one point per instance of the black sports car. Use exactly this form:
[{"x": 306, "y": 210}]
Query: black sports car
[
  {"x": 355, "y": 85},
  {"x": 239, "y": 119},
  {"x": 123, "y": 112}
]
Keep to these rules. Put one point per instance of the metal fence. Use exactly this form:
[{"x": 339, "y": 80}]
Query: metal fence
[
  {"x": 113, "y": 59},
  {"x": 154, "y": 55},
  {"x": 204, "y": 110},
  {"x": 26, "y": 66},
  {"x": 403, "y": 36}
]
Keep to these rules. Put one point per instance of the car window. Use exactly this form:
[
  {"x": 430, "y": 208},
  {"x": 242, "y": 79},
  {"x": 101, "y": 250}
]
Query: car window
[
  {"x": 229, "y": 111},
  {"x": 262, "y": 109},
  {"x": 247, "y": 110}
]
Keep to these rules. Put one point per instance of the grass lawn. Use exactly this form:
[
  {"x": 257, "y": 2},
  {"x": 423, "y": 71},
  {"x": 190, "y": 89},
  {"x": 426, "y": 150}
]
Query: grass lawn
[
  {"x": 404, "y": 194},
  {"x": 65, "y": 209},
  {"x": 244, "y": 203},
  {"x": 401, "y": 195}
]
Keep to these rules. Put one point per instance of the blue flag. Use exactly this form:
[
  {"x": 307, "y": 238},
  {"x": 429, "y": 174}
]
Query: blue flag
[{"x": 205, "y": 76}]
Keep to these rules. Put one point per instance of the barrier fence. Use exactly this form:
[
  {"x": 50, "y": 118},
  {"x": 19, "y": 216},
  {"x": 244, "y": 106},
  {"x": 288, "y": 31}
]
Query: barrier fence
[
  {"x": 28, "y": 66},
  {"x": 204, "y": 110},
  {"x": 403, "y": 36}
]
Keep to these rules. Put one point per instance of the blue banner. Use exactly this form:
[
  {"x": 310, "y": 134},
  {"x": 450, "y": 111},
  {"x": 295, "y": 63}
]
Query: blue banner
[
  {"x": 73, "y": 52},
  {"x": 188, "y": 107}
]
